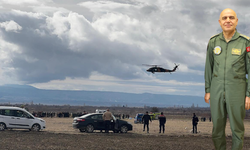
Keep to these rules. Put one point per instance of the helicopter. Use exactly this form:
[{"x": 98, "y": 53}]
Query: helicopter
[{"x": 155, "y": 68}]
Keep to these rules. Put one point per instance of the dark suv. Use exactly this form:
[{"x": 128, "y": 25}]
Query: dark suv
[{"x": 93, "y": 121}]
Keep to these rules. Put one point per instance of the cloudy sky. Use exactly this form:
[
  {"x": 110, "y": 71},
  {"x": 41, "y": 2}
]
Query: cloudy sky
[{"x": 100, "y": 45}]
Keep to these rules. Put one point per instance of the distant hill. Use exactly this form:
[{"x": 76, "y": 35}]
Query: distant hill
[{"x": 29, "y": 94}]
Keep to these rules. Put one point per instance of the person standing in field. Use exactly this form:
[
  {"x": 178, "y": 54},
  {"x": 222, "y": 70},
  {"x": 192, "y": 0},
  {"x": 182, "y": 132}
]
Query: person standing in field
[
  {"x": 107, "y": 117},
  {"x": 227, "y": 63},
  {"x": 145, "y": 119},
  {"x": 162, "y": 121},
  {"x": 195, "y": 121}
]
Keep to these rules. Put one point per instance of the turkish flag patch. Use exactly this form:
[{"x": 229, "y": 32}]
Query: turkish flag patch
[{"x": 248, "y": 49}]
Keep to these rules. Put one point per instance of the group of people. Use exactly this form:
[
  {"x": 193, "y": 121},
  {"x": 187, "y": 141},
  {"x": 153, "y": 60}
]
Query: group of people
[
  {"x": 107, "y": 117},
  {"x": 162, "y": 121},
  {"x": 146, "y": 118}
]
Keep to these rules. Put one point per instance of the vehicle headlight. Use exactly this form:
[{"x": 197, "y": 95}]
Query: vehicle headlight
[{"x": 42, "y": 120}]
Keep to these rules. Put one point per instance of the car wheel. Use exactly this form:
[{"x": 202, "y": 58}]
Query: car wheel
[
  {"x": 90, "y": 128},
  {"x": 82, "y": 130},
  {"x": 35, "y": 127},
  {"x": 124, "y": 129},
  {"x": 2, "y": 126}
]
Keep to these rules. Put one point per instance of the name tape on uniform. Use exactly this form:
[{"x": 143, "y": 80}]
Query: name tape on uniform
[{"x": 236, "y": 51}]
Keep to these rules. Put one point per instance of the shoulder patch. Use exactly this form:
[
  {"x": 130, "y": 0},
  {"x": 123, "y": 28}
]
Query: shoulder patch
[
  {"x": 246, "y": 37},
  {"x": 214, "y": 36}
]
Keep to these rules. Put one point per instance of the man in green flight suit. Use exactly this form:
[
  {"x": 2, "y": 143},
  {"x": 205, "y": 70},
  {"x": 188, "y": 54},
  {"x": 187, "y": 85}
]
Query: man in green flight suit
[{"x": 227, "y": 63}]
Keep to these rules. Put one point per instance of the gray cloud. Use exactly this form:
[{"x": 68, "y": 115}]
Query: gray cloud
[
  {"x": 47, "y": 57},
  {"x": 73, "y": 39}
]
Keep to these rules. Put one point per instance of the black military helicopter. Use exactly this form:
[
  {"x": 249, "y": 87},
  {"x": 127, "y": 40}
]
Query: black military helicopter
[{"x": 155, "y": 68}]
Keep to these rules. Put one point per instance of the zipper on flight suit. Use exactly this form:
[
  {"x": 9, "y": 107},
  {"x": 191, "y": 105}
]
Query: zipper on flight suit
[
  {"x": 225, "y": 73},
  {"x": 224, "y": 96}
]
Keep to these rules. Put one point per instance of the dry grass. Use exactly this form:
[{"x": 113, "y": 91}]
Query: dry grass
[
  {"x": 60, "y": 135},
  {"x": 179, "y": 126}
]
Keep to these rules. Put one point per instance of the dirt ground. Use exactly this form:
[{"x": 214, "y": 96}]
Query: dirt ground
[{"x": 60, "y": 135}]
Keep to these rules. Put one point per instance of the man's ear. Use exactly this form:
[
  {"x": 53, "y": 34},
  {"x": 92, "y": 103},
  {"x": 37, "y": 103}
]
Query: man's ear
[{"x": 219, "y": 21}]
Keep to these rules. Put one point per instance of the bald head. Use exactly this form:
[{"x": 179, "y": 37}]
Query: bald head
[
  {"x": 226, "y": 11},
  {"x": 228, "y": 20}
]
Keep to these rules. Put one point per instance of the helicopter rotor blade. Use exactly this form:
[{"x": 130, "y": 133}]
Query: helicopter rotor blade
[
  {"x": 176, "y": 64},
  {"x": 150, "y": 65}
]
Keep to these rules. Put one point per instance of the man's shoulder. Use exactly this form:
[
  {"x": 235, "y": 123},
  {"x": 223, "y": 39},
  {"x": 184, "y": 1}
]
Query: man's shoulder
[
  {"x": 212, "y": 37},
  {"x": 107, "y": 112},
  {"x": 244, "y": 36},
  {"x": 161, "y": 117}
]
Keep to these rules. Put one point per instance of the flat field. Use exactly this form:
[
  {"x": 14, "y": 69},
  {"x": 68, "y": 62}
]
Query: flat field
[{"x": 60, "y": 135}]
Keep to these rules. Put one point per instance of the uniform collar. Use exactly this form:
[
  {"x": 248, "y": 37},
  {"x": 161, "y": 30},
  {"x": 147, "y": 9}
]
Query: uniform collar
[{"x": 235, "y": 36}]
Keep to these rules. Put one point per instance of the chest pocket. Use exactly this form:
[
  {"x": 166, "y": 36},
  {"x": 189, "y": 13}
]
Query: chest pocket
[{"x": 239, "y": 67}]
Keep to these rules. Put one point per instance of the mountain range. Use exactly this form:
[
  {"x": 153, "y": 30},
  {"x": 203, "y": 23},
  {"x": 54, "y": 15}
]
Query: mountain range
[{"x": 16, "y": 94}]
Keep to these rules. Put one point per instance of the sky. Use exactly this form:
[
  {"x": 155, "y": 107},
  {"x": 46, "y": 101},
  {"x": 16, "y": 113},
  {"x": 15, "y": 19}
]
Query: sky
[{"x": 101, "y": 45}]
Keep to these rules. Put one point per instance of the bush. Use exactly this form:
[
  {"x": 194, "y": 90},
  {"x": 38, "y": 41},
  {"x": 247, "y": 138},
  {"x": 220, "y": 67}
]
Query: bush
[{"x": 154, "y": 109}]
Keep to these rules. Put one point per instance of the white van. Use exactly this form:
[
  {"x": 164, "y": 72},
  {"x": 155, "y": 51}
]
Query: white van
[{"x": 19, "y": 118}]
